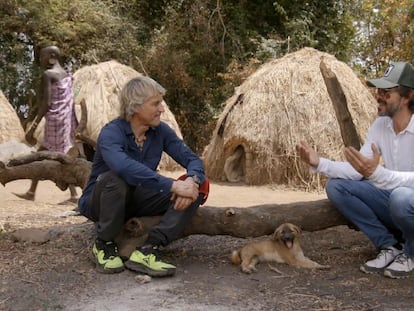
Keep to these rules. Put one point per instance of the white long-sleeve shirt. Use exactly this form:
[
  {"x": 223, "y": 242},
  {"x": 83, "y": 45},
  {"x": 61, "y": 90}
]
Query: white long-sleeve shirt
[
  {"x": 397, "y": 151},
  {"x": 387, "y": 179}
]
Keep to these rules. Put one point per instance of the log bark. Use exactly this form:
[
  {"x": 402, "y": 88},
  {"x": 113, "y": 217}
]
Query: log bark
[
  {"x": 262, "y": 220},
  {"x": 348, "y": 131}
]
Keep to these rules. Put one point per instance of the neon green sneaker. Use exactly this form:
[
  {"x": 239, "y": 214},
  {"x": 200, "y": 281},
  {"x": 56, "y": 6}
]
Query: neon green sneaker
[
  {"x": 148, "y": 263},
  {"x": 106, "y": 257}
]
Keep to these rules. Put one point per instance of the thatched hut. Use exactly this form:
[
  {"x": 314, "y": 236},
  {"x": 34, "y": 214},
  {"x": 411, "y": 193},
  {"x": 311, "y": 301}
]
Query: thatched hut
[
  {"x": 283, "y": 102},
  {"x": 11, "y": 132},
  {"x": 99, "y": 85},
  {"x": 10, "y": 126}
]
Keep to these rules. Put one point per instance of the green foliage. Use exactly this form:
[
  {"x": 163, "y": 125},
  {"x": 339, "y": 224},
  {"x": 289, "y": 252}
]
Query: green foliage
[
  {"x": 184, "y": 59},
  {"x": 86, "y": 31},
  {"x": 385, "y": 33},
  {"x": 201, "y": 42},
  {"x": 199, "y": 50},
  {"x": 324, "y": 25}
]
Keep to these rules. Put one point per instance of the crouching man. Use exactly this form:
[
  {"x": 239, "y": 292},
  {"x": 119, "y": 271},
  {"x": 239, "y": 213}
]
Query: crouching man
[{"x": 124, "y": 182}]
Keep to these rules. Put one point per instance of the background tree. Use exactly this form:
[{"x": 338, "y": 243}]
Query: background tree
[
  {"x": 199, "y": 50},
  {"x": 87, "y": 31},
  {"x": 204, "y": 49},
  {"x": 385, "y": 32}
]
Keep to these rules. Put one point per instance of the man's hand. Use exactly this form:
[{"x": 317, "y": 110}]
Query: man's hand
[
  {"x": 181, "y": 203},
  {"x": 307, "y": 154},
  {"x": 362, "y": 164},
  {"x": 184, "y": 193}
]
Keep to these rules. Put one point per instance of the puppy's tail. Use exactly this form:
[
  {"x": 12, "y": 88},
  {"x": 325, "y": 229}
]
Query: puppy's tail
[{"x": 235, "y": 257}]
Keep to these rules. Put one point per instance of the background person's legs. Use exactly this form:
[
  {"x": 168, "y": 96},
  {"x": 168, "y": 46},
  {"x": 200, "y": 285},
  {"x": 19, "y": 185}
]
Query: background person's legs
[{"x": 30, "y": 194}]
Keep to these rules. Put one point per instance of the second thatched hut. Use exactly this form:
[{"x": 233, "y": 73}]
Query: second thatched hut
[
  {"x": 283, "y": 102},
  {"x": 99, "y": 85}
]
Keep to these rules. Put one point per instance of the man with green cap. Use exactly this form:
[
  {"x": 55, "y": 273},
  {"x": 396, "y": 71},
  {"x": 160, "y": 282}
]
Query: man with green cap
[{"x": 364, "y": 192}]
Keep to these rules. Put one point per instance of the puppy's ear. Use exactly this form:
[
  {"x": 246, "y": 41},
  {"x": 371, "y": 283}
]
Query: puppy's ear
[
  {"x": 277, "y": 234},
  {"x": 297, "y": 230}
]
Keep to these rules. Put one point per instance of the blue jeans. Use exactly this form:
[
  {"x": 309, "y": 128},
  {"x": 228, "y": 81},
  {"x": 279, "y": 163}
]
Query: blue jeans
[
  {"x": 402, "y": 213},
  {"x": 367, "y": 207}
]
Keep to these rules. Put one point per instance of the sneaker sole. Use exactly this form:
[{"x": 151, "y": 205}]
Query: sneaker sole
[
  {"x": 101, "y": 269},
  {"x": 136, "y": 267},
  {"x": 370, "y": 270},
  {"x": 397, "y": 274}
]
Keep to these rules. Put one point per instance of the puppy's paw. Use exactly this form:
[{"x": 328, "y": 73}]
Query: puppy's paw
[{"x": 246, "y": 270}]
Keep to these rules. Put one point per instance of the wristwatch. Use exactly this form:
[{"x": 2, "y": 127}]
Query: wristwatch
[{"x": 196, "y": 179}]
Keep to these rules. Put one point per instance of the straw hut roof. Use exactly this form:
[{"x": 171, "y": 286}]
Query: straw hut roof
[
  {"x": 10, "y": 126},
  {"x": 100, "y": 85},
  {"x": 283, "y": 102}
]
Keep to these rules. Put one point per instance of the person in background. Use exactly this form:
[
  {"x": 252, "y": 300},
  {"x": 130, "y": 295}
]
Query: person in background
[
  {"x": 56, "y": 104},
  {"x": 124, "y": 181},
  {"x": 378, "y": 211}
]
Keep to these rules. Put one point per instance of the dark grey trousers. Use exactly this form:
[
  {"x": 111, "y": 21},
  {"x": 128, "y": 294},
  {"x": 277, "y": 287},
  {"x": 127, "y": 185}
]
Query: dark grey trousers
[{"x": 113, "y": 202}]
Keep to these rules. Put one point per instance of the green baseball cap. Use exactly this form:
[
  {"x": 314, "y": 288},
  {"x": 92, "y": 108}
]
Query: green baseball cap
[{"x": 398, "y": 73}]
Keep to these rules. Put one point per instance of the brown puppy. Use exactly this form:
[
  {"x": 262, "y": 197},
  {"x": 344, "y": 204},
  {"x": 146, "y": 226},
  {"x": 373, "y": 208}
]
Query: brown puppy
[{"x": 284, "y": 247}]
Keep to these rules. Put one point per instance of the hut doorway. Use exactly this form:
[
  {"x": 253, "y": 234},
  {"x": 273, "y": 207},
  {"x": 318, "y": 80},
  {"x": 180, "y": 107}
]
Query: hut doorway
[{"x": 235, "y": 165}]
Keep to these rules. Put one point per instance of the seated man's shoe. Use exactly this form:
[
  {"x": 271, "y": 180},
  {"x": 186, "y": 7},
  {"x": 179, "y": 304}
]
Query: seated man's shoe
[
  {"x": 146, "y": 260},
  {"x": 384, "y": 258},
  {"x": 402, "y": 267},
  {"x": 106, "y": 257}
]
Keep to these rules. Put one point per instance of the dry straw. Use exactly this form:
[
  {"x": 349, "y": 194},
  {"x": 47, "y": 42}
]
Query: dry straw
[
  {"x": 283, "y": 102},
  {"x": 10, "y": 126}
]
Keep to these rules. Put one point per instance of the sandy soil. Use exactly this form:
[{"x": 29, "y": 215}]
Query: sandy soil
[{"x": 58, "y": 274}]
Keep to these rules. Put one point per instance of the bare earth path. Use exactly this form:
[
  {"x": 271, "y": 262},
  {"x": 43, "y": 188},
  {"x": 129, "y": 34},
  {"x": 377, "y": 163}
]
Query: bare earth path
[{"x": 58, "y": 275}]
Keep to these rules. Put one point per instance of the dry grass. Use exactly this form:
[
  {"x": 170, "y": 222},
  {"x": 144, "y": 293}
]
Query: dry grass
[
  {"x": 285, "y": 101},
  {"x": 10, "y": 126}
]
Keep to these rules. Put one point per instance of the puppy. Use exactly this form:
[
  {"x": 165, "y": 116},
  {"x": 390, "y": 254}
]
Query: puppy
[{"x": 284, "y": 247}]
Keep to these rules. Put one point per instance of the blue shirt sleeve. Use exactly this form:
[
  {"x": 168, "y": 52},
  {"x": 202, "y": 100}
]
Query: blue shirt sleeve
[
  {"x": 177, "y": 149},
  {"x": 118, "y": 155}
]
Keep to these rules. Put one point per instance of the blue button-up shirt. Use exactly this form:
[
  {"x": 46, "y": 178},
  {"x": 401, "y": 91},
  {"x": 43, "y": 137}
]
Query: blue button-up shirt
[{"x": 117, "y": 151}]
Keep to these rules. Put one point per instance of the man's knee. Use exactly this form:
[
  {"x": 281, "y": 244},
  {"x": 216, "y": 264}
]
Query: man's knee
[
  {"x": 400, "y": 202},
  {"x": 333, "y": 186},
  {"x": 112, "y": 182}
]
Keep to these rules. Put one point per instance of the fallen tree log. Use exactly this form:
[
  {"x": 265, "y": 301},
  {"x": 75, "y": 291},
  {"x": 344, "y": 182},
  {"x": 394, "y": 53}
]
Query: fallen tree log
[
  {"x": 251, "y": 221},
  {"x": 46, "y": 165},
  {"x": 259, "y": 220},
  {"x": 242, "y": 222}
]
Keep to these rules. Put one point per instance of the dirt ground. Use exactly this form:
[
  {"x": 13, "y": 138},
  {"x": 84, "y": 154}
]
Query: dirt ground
[{"x": 58, "y": 274}]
